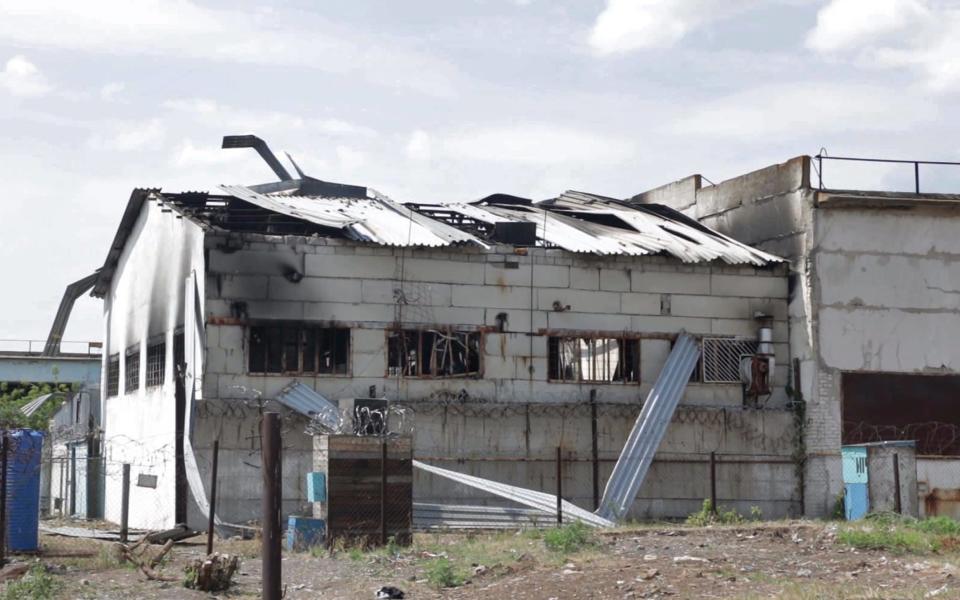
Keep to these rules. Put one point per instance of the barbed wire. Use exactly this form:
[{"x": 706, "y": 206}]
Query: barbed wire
[{"x": 932, "y": 437}]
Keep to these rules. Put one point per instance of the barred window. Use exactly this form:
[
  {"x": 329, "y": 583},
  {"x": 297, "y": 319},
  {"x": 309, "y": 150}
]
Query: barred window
[
  {"x": 721, "y": 357},
  {"x": 113, "y": 375},
  {"x": 132, "y": 367},
  {"x": 156, "y": 364},
  {"x": 593, "y": 359},
  {"x": 299, "y": 348},
  {"x": 433, "y": 353}
]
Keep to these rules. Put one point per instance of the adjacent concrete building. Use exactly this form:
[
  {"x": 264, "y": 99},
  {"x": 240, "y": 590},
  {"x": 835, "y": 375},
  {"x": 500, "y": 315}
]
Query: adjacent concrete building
[
  {"x": 873, "y": 314},
  {"x": 499, "y": 330}
]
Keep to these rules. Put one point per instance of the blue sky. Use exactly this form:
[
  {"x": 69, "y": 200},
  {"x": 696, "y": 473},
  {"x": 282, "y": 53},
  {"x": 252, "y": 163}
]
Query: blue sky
[{"x": 440, "y": 100}]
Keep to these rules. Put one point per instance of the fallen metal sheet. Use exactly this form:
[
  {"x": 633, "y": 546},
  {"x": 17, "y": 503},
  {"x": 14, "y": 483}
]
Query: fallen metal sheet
[
  {"x": 455, "y": 516},
  {"x": 308, "y": 402},
  {"x": 541, "y": 501},
  {"x": 377, "y": 219},
  {"x": 648, "y": 431},
  {"x": 92, "y": 534}
]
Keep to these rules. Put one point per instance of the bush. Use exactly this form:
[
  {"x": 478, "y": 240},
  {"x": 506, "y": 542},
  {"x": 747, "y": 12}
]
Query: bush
[
  {"x": 705, "y": 516},
  {"x": 442, "y": 574},
  {"x": 567, "y": 539}
]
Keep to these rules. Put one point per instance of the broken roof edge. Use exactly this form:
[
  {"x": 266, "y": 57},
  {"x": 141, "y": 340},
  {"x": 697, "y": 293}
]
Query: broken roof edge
[{"x": 130, "y": 214}]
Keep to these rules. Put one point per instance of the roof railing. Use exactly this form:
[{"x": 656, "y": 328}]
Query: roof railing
[
  {"x": 68, "y": 347},
  {"x": 822, "y": 156}
]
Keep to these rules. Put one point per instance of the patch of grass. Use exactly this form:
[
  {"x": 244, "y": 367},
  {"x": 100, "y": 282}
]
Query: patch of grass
[
  {"x": 890, "y": 531},
  {"x": 355, "y": 554},
  {"x": 822, "y": 591},
  {"x": 442, "y": 573},
  {"x": 35, "y": 585},
  {"x": 568, "y": 539}
]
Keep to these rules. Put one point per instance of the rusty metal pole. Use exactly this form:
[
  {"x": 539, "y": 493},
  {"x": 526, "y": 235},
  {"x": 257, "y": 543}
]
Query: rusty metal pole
[
  {"x": 383, "y": 493},
  {"x": 213, "y": 497},
  {"x": 595, "y": 453},
  {"x": 559, "y": 487},
  {"x": 4, "y": 448},
  {"x": 713, "y": 482},
  {"x": 897, "y": 507},
  {"x": 125, "y": 503},
  {"x": 270, "y": 505}
]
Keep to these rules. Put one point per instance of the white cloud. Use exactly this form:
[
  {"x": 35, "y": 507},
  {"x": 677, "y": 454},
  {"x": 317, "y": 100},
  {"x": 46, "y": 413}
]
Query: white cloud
[
  {"x": 184, "y": 29},
  {"x": 111, "y": 92},
  {"x": 129, "y": 136},
  {"x": 418, "y": 146},
  {"x": 922, "y": 35},
  {"x": 535, "y": 144},
  {"x": 349, "y": 159},
  {"x": 795, "y": 110},
  {"x": 20, "y": 77},
  {"x": 230, "y": 119},
  {"x": 627, "y": 25},
  {"x": 189, "y": 154}
]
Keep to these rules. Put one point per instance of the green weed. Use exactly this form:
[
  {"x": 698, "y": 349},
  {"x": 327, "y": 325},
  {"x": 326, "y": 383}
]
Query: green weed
[
  {"x": 441, "y": 573},
  {"x": 705, "y": 516},
  {"x": 35, "y": 585},
  {"x": 568, "y": 539}
]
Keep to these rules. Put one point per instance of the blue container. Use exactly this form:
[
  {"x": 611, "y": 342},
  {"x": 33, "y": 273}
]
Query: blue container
[
  {"x": 23, "y": 490},
  {"x": 304, "y": 533}
]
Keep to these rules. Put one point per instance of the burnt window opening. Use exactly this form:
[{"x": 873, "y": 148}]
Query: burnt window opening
[
  {"x": 436, "y": 353},
  {"x": 113, "y": 376},
  {"x": 593, "y": 359},
  {"x": 156, "y": 364},
  {"x": 131, "y": 365},
  {"x": 179, "y": 354},
  {"x": 299, "y": 349}
]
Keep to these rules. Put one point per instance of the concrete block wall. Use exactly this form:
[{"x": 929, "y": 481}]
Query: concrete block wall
[{"x": 371, "y": 289}]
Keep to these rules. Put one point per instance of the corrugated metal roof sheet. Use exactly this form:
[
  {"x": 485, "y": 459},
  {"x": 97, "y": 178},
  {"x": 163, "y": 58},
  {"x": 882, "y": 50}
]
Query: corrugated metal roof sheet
[
  {"x": 377, "y": 219},
  {"x": 308, "y": 402}
]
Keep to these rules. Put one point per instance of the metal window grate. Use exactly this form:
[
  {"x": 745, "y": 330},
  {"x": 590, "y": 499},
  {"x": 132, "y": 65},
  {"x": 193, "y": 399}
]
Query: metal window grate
[
  {"x": 132, "y": 368},
  {"x": 113, "y": 375},
  {"x": 156, "y": 363},
  {"x": 721, "y": 358}
]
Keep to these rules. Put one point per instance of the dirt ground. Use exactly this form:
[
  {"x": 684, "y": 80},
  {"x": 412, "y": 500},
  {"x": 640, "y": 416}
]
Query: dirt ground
[{"x": 777, "y": 560}]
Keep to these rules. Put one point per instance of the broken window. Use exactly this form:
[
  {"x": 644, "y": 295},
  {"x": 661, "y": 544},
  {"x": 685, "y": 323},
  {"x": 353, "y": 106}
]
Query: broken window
[
  {"x": 721, "y": 357},
  {"x": 156, "y": 364},
  {"x": 132, "y": 368},
  {"x": 593, "y": 359},
  {"x": 299, "y": 348},
  {"x": 433, "y": 353},
  {"x": 113, "y": 375}
]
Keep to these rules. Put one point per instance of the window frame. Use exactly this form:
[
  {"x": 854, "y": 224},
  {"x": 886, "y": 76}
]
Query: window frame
[
  {"x": 341, "y": 338},
  {"x": 156, "y": 376},
  {"x": 131, "y": 358},
  {"x": 553, "y": 344},
  {"x": 420, "y": 332},
  {"x": 113, "y": 375}
]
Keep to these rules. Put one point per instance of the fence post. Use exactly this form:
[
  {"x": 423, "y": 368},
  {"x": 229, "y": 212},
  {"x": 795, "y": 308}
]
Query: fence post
[
  {"x": 713, "y": 482},
  {"x": 897, "y": 507},
  {"x": 4, "y": 448},
  {"x": 125, "y": 503},
  {"x": 916, "y": 176},
  {"x": 559, "y": 487},
  {"x": 595, "y": 454},
  {"x": 383, "y": 493},
  {"x": 270, "y": 505},
  {"x": 213, "y": 497}
]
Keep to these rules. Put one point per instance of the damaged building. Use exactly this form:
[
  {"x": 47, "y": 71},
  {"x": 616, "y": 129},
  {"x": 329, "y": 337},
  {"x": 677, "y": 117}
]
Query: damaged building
[
  {"x": 873, "y": 314},
  {"x": 496, "y": 331}
]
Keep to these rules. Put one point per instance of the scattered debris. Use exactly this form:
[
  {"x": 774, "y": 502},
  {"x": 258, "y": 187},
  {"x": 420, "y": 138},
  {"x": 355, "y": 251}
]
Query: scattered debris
[
  {"x": 648, "y": 575},
  {"x": 14, "y": 571},
  {"x": 213, "y": 573},
  {"x": 689, "y": 559}
]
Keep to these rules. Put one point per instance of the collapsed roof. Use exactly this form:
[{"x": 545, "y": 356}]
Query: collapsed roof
[{"x": 575, "y": 221}]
